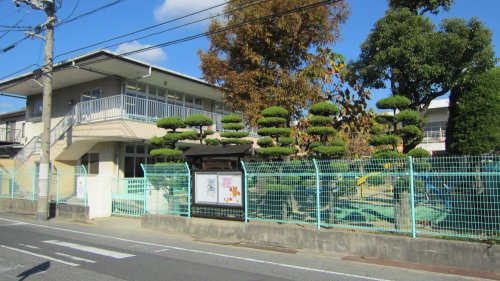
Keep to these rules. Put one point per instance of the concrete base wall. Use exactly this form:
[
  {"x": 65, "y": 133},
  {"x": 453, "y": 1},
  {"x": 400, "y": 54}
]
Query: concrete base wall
[
  {"x": 476, "y": 256},
  {"x": 17, "y": 206},
  {"x": 72, "y": 212}
]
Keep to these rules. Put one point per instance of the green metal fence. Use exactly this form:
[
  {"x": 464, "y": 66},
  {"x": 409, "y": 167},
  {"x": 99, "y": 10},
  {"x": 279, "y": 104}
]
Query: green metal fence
[
  {"x": 127, "y": 197},
  {"x": 441, "y": 196},
  {"x": 167, "y": 189},
  {"x": 68, "y": 185},
  {"x": 19, "y": 184}
]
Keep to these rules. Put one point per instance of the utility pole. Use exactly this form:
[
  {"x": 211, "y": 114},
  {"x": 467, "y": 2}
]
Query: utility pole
[{"x": 42, "y": 209}]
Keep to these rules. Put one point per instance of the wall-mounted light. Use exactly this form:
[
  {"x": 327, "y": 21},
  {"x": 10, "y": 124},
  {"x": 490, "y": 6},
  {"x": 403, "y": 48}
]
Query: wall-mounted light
[{"x": 71, "y": 102}]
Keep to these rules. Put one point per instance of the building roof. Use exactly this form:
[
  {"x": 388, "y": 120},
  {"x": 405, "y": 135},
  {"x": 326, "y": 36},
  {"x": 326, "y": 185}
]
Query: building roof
[
  {"x": 96, "y": 65},
  {"x": 20, "y": 112},
  {"x": 209, "y": 150},
  {"x": 441, "y": 103}
]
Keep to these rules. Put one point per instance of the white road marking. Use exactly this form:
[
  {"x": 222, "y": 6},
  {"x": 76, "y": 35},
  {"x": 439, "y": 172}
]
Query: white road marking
[
  {"x": 40, "y": 256},
  {"x": 94, "y": 250},
  {"x": 29, "y": 246},
  {"x": 13, "y": 224},
  {"x": 75, "y": 258},
  {"x": 204, "y": 252},
  {"x": 162, "y": 250}
]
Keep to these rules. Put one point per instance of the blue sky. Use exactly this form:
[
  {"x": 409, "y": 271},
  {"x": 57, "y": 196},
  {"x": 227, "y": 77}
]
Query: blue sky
[{"x": 130, "y": 15}]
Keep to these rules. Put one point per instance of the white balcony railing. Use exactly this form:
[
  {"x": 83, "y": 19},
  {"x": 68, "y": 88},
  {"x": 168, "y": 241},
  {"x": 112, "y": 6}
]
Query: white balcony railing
[
  {"x": 10, "y": 135},
  {"x": 434, "y": 136},
  {"x": 126, "y": 107}
]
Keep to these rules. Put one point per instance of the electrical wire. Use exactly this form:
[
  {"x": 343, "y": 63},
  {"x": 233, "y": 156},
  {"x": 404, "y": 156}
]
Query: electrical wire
[
  {"x": 90, "y": 12},
  {"x": 72, "y": 12},
  {"x": 144, "y": 29},
  {"x": 199, "y": 35}
]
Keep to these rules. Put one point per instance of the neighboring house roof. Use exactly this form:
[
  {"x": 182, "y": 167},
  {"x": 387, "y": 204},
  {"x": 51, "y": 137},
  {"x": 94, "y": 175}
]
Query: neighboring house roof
[
  {"x": 17, "y": 113},
  {"x": 93, "y": 66}
]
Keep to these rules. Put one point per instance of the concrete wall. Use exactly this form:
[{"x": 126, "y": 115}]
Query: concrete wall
[
  {"x": 72, "y": 212},
  {"x": 17, "y": 206},
  {"x": 436, "y": 252}
]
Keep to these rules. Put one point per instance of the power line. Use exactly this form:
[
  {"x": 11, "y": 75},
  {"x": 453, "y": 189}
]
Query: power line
[
  {"x": 144, "y": 29},
  {"x": 90, "y": 12},
  {"x": 73, "y": 11},
  {"x": 200, "y": 35}
]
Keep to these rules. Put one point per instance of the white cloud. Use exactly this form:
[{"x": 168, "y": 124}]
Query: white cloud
[
  {"x": 155, "y": 56},
  {"x": 171, "y": 9}
]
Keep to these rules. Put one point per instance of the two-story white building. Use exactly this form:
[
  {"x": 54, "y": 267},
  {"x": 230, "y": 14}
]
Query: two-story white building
[
  {"x": 104, "y": 109},
  {"x": 436, "y": 119}
]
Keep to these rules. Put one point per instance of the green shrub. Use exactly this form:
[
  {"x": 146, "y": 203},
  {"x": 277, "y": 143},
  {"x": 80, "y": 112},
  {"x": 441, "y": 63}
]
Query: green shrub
[
  {"x": 235, "y": 141},
  {"x": 412, "y": 131},
  {"x": 198, "y": 120},
  {"x": 336, "y": 142},
  {"x": 403, "y": 184},
  {"x": 387, "y": 154},
  {"x": 324, "y": 108},
  {"x": 377, "y": 130},
  {"x": 234, "y": 135},
  {"x": 208, "y": 133},
  {"x": 265, "y": 142},
  {"x": 170, "y": 123},
  {"x": 274, "y": 131},
  {"x": 408, "y": 117},
  {"x": 212, "y": 141},
  {"x": 331, "y": 152},
  {"x": 384, "y": 119},
  {"x": 189, "y": 135},
  {"x": 275, "y": 111},
  {"x": 271, "y": 121},
  {"x": 173, "y": 137},
  {"x": 286, "y": 141},
  {"x": 394, "y": 102},
  {"x": 419, "y": 153},
  {"x": 166, "y": 152},
  {"x": 320, "y": 120},
  {"x": 384, "y": 140},
  {"x": 156, "y": 140},
  {"x": 231, "y": 118},
  {"x": 233, "y": 126},
  {"x": 321, "y": 131},
  {"x": 422, "y": 166}
]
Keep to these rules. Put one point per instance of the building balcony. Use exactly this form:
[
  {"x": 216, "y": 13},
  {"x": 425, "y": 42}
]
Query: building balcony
[
  {"x": 8, "y": 135},
  {"x": 438, "y": 136},
  {"x": 134, "y": 108}
]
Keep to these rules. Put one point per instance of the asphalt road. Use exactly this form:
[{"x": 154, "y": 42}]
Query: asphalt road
[{"x": 118, "y": 249}]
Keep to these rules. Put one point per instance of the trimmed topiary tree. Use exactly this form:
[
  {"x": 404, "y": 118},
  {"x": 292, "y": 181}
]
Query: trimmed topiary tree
[
  {"x": 166, "y": 146},
  {"x": 403, "y": 126},
  {"x": 200, "y": 120},
  {"x": 321, "y": 122},
  {"x": 233, "y": 134},
  {"x": 276, "y": 142}
]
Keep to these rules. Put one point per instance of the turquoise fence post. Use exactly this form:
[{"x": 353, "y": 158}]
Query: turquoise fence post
[
  {"x": 189, "y": 189},
  {"x": 57, "y": 186},
  {"x": 12, "y": 180},
  {"x": 85, "y": 187},
  {"x": 144, "y": 186},
  {"x": 33, "y": 179},
  {"x": 412, "y": 199},
  {"x": 318, "y": 201},
  {"x": 245, "y": 188}
]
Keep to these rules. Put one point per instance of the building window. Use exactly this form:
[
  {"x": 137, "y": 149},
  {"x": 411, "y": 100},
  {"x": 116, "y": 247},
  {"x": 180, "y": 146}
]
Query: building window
[
  {"x": 135, "y": 155},
  {"x": 91, "y": 163},
  {"x": 37, "y": 108},
  {"x": 91, "y": 94}
]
